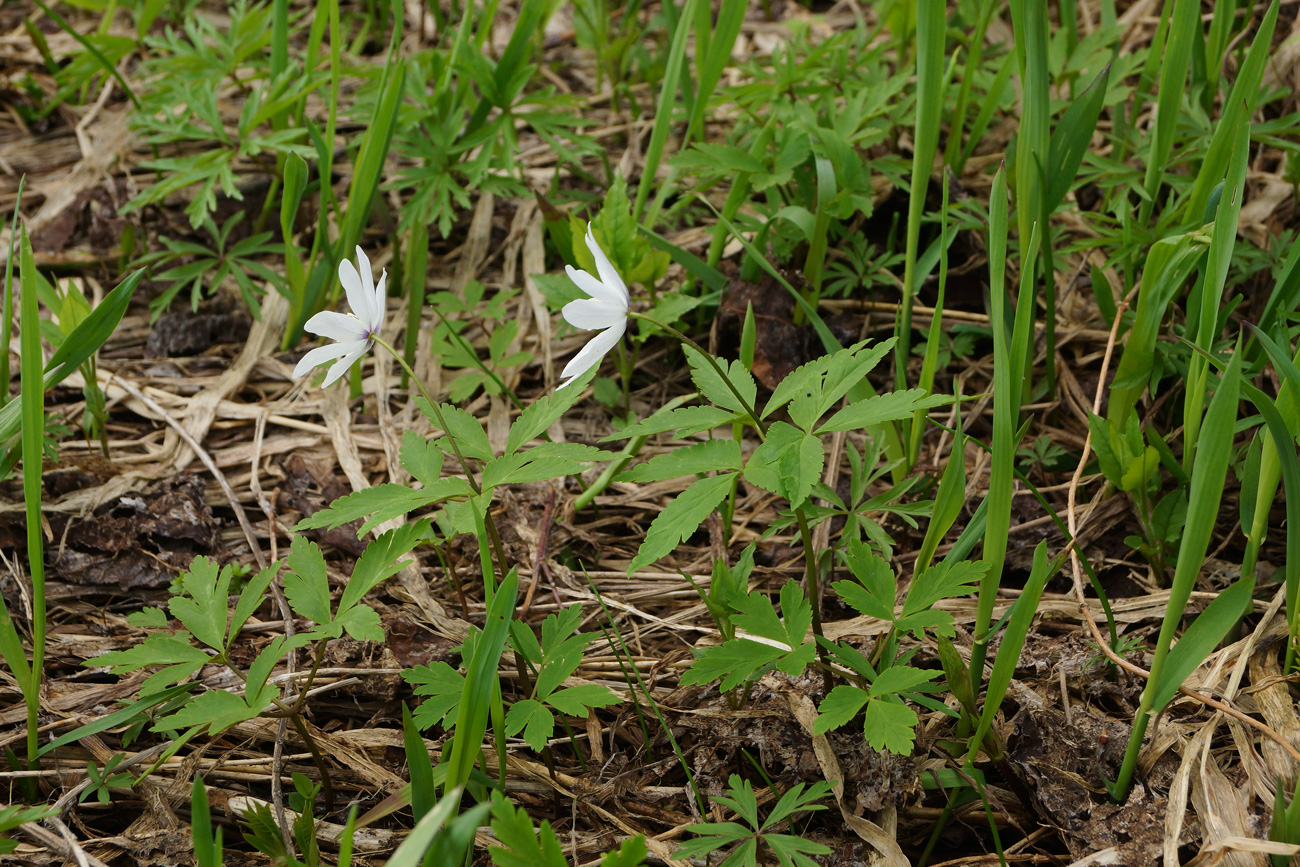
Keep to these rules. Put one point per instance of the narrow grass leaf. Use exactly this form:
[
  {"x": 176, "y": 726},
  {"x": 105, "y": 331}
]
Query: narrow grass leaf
[
  {"x": 1013, "y": 641},
  {"x": 480, "y": 681},
  {"x": 1238, "y": 105},
  {"x": 931, "y": 25},
  {"x": 33, "y": 436}
]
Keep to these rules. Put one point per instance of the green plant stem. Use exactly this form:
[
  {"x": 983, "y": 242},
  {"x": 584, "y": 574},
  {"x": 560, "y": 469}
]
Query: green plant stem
[
  {"x": 814, "y": 593},
  {"x": 311, "y": 676}
]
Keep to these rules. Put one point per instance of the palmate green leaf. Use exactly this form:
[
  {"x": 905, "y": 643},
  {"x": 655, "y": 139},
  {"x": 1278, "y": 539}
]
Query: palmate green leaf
[
  {"x": 943, "y": 581},
  {"x": 532, "y": 718},
  {"x": 716, "y": 158},
  {"x": 715, "y": 389},
  {"x": 631, "y": 853},
  {"x": 178, "y": 658},
  {"x": 902, "y": 679},
  {"x": 839, "y": 707},
  {"x": 714, "y": 836},
  {"x": 255, "y": 690},
  {"x": 820, "y": 383},
  {"x": 890, "y": 726},
  {"x": 680, "y": 518},
  {"x": 757, "y": 616},
  {"x": 873, "y": 593},
  {"x": 251, "y": 597},
  {"x": 204, "y": 607},
  {"x": 575, "y": 700},
  {"x": 891, "y": 406},
  {"x": 718, "y": 455},
  {"x": 684, "y": 422},
  {"x": 545, "y": 410},
  {"x": 361, "y": 622},
  {"x": 792, "y": 851},
  {"x": 544, "y": 462},
  {"x": 440, "y": 686},
  {"x": 735, "y": 662},
  {"x": 796, "y": 800},
  {"x": 742, "y": 659}
]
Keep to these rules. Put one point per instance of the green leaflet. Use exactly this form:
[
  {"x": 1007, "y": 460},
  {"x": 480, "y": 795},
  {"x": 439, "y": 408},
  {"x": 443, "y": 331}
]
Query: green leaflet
[{"x": 680, "y": 518}]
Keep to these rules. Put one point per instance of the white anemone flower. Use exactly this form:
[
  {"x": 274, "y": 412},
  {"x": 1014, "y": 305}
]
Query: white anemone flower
[
  {"x": 606, "y": 309},
  {"x": 355, "y": 333}
]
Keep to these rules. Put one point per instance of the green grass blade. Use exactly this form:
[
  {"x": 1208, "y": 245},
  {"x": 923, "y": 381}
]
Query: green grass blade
[
  {"x": 414, "y": 272},
  {"x": 1029, "y": 23},
  {"x": 480, "y": 679},
  {"x": 1208, "y": 477},
  {"x": 931, "y": 25},
  {"x": 953, "y": 153},
  {"x": 1237, "y": 107},
  {"x": 419, "y": 766},
  {"x": 949, "y": 500},
  {"x": 32, "y": 394},
  {"x": 1215, "y": 277},
  {"x": 207, "y": 850},
  {"x": 1071, "y": 138},
  {"x": 731, "y": 15},
  {"x": 1184, "y": 26},
  {"x": 998, "y": 517},
  {"x": 664, "y": 111},
  {"x": 930, "y": 362},
  {"x": 1200, "y": 639},
  {"x": 988, "y": 107},
  {"x": 365, "y": 181},
  {"x": 6, "y": 333},
  {"x": 826, "y": 191},
  {"x": 1013, "y": 641},
  {"x": 411, "y": 852}
]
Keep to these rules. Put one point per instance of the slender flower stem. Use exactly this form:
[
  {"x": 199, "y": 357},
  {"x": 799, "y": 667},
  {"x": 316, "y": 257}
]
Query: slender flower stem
[{"x": 494, "y": 535}]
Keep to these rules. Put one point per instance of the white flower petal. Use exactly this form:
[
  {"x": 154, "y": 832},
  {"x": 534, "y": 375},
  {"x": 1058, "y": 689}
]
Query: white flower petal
[
  {"x": 320, "y": 355},
  {"x": 593, "y": 313},
  {"x": 363, "y": 265},
  {"x": 381, "y": 303},
  {"x": 605, "y": 268},
  {"x": 345, "y": 363},
  {"x": 594, "y": 287},
  {"x": 358, "y": 298},
  {"x": 336, "y": 326},
  {"x": 593, "y": 352}
]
